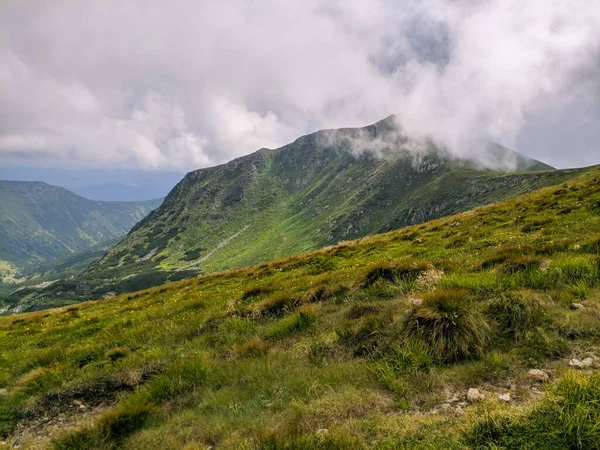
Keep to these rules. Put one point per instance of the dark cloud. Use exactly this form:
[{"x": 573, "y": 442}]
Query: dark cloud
[{"x": 185, "y": 84}]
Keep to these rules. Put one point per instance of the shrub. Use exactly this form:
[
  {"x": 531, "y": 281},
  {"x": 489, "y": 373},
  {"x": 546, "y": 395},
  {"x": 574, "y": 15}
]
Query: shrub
[
  {"x": 515, "y": 314},
  {"x": 448, "y": 323}
]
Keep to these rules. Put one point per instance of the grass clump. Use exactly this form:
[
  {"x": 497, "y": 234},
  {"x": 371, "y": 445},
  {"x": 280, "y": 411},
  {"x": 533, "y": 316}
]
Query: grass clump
[
  {"x": 520, "y": 264},
  {"x": 117, "y": 353},
  {"x": 255, "y": 291},
  {"x": 110, "y": 430},
  {"x": 253, "y": 348},
  {"x": 297, "y": 322},
  {"x": 276, "y": 305},
  {"x": 568, "y": 419},
  {"x": 395, "y": 273},
  {"x": 449, "y": 324},
  {"x": 515, "y": 314}
]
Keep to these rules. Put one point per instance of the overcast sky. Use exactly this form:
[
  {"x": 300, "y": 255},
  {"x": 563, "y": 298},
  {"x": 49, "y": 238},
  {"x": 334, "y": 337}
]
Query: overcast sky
[{"x": 183, "y": 84}]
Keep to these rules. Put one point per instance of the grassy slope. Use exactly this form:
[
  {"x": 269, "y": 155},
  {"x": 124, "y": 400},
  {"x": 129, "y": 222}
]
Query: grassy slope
[
  {"x": 39, "y": 222},
  {"x": 313, "y": 351},
  {"x": 308, "y": 194}
]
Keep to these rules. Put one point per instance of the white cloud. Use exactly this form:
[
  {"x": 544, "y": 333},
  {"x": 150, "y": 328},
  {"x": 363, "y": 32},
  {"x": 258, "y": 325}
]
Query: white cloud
[{"x": 186, "y": 84}]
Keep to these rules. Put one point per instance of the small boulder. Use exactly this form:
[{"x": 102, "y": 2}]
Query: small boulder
[
  {"x": 575, "y": 363},
  {"x": 446, "y": 407},
  {"x": 538, "y": 375},
  {"x": 587, "y": 362},
  {"x": 322, "y": 432},
  {"x": 3, "y": 392},
  {"x": 576, "y": 306},
  {"x": 473, "y": 395},
  {"x": 505, "y": 397}
]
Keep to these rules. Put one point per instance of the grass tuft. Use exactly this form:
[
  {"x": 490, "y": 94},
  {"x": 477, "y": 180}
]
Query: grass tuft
[{"x": 448, "y": 322}]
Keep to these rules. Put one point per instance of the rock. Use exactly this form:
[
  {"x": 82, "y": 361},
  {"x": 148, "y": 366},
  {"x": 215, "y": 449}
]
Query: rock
[
  {"x": 3, "y": 392},
  {"x": 77, "y": 402},
  {"x": 322, "y": 432},
  {"x": 587, "y": 362},
  {"x": 505, "y": 397},
  {"x": 415, "y": 301},
  {"x": 575, "y": 363},
  {"x": 473, "y": 395},
  {"x": 462, "y": 404},
  {"x": 538, "y": 375},
  {"x": 575, "y": 306},
  {"x": 458, "y": 410},
  {"x": 446, "y": 407}
]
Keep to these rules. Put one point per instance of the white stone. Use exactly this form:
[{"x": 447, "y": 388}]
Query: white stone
[
  {"x": 587, "y": 362},
  {"x": 575, "y": 363},
  {"x": 415, "y": 301},
  {"x": 505, "y": 397},
  {"x": 538, "y": 375},
  {"x": 473, "y": 395},
  {"x": 576, "y": 306}
]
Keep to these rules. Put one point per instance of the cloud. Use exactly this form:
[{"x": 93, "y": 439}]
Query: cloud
[{"x": 187, "y": 84}]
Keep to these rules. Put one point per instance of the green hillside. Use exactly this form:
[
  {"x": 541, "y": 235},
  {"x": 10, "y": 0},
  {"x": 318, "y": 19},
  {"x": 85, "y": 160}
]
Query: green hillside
[
  {"x": 40, "y": 222},
  {"x": 480, "y": 330},
  {"x": 325, "y": 187}
]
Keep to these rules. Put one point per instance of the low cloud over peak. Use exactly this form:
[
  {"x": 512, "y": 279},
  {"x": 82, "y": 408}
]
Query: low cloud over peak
[{"x": 186, "y": 84}]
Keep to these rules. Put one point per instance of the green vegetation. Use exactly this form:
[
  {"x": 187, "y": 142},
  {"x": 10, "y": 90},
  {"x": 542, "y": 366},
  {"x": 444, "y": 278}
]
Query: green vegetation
[
  {"x": 372, "y": 343},
  {"x": 39, "y": 222},
  {"x": 314, "y": 192}
]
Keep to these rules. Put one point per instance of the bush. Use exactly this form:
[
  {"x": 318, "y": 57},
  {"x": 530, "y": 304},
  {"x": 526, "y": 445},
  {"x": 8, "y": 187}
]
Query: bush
[
  {"x": 448, "y": 323},
  {"x": 515, "y": 314}
]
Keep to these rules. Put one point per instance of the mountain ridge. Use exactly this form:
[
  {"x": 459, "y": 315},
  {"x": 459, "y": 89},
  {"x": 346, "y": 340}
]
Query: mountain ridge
[{"x": 40, "y": 221}]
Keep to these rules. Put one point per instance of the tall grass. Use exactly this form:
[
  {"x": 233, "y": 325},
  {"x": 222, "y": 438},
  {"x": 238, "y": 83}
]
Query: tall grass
[{"x": 449, "y": 323}]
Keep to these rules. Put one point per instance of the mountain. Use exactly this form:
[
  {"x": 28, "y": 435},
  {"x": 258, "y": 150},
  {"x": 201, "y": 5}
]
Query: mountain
[
  {"x": 387, "y": 342},
  {"x": 323, "y": 188},
  {"x": 314, "y": 192},
  {"x": 100, "y": 184},
  {"x": 39, "y": 222}
]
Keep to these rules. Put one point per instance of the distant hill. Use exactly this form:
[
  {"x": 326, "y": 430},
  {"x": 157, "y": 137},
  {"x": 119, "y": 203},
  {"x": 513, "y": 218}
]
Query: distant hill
[
  {"x": 101, "y": 184},
  {"x": 39, "y": 222}
]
